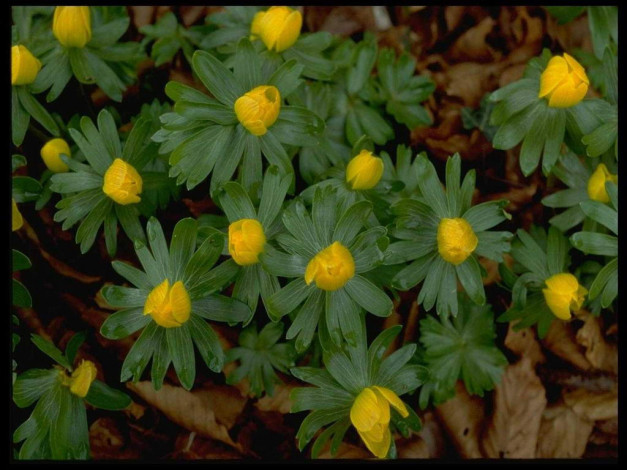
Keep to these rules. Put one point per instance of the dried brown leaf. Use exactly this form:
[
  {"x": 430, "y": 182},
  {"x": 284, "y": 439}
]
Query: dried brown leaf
[
  {"x": 426, "y": 444},
  {"x": 564, "y": 433},
  {"x": 560, "y": 340},
  {"x": 210, "y": 411},
  {"x": 472, "y": 44},
  {"x": 519, "y": 401},
  {"x": 523, "y": 343},
  {"x": 601, "y": 354},
  {"x": 279, "y": 401},
  {"x": 346, "y": 451},
  {"x": 463, "y": 417},
  {"x": 593, "y": 406}
]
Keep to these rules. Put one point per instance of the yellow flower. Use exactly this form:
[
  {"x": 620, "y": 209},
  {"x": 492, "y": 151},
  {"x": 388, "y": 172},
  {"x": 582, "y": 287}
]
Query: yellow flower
[
  {"x": 16, "y": 218},
  {"x": 81, "y": 379},
  {"x": 563, "y": 294},
  {"x": 258, "y": 108},
  {"x": 169, "y": 306},
  {"x": 456, "y": 240},
  {"x": 370, "y": 414},
  {"x": 364, "y": 170},
  {"x": 331, "y": 268},
  {"x": 50, "y": 153},
  {"x": 122, "y": 183},
  {"x": 596, "y": 183},
  {"x": 564, "y": 82},
  {"x": 255, "y": 26},
  {"x": 24, "y": 66},
  {"x": 72, "y": 26},
  {"x": 246, "y": 241},
  {"x": 278, "y": 27}
]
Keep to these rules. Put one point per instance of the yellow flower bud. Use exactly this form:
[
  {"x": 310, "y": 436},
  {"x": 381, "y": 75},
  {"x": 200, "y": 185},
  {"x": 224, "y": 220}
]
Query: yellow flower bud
[
  {"x": 596, "y": 183},
  {"x": 278, "y": 27},
  {"x": 246, "y": 241},
  {"x": 364, "y": 170},
  {"x": 456, "y": 240},
  {"x": 564, "y": 82},
  {"x": 122, "y": 183},
  {"x": 72, "y": 26},
  {"x": 370, "y": 414},
  {"x": 258, "y": 108},
  {"x": 16, "y": 217},
  {"x": 81, "y": 379},
  {"x": 50, "y": 153},
  {"x": 24, "y": 66},
  {"x": 255, "y": 26},
  {"x": 563, "y": 294},
  {"x": 169, "y": 306},
  {"x": 331, "y": 268}
]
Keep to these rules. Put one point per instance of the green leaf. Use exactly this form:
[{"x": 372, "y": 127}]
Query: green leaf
[
  {"x": 37, "y": 111},
  {"x": 217, "y": 78},
  {"x": 32, "y": 384},
  {"x": 351, "y": 222},
  {"x": 601, "y": 213},
  {"x": 288, "y": 298},
  {"x": 182, "y": 352},
  {"x": 19, "y": 261},
  {"x": 50, "y": 350},
  {"x": 369, "y": 296},
  {"x": 595, "y": 243},
  {"x": 104, "y": 397},
  {"x": 124, "y": 323},
  {"x": 463, "y": 348},
  {"x": 182, "y": 246},
  {"x": 20, "y": 295},
  {"x": 73, "y": 345},
  {"x": 25, "y": 189},
  {"x": 208, "y": 343},
  {"x": 221, "y": 308}
]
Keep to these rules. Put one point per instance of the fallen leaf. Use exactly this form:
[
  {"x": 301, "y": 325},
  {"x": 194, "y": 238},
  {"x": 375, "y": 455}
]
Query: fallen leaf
[
  {"x": 472, "y": 44},
  {"x": 426, "y": 444},
  {"x": 463, "y": 417},
  {"x": 601, "y": 354},
  {"x": 346, "y": 451},
  {"x": 191, "y": 446},
  {"x": 523, "y": 343},
  {"x": 560, "y": 340},
  {"x": 106, "y": 441},
  {"x": 519, "y": 400},
  {"x": 279, "y": 401},
  {"x": 564, "y": 434},
  {"x": 593, "y": 406},
  {"x": 210, "y": 411}
]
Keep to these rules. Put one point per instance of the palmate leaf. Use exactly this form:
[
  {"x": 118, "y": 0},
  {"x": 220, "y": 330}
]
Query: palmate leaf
[
  {"x": 463, "y": 348},
  {"x": 259, "y": 355}
]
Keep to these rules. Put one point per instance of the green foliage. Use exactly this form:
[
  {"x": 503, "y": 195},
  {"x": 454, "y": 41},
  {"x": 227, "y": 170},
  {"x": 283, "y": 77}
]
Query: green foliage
[
  {"x": 348, "y": 370},
  {"x": 416, "y": 230},
  {"x": 336, "y": 313},
  {"x": 461, "y": 348},
  {"x": 182, "y": 261},
  {"x": 606, "y": 245},
  {"x": 575, "y": 174},
  {"x": 210, "y": 124},
  {"x": 57, "y": 427},
  {"x": 170, "y": 37},
  {"x": 104, "y": 61},
  {"x": 84, "y": 199},
  {"x": 537, "y": 258},
  {"x": 260, "y": 355}
]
